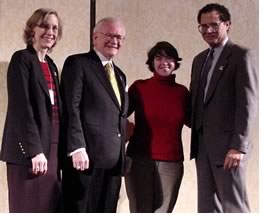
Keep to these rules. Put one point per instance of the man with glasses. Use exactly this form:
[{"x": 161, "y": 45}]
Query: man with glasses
[
  {"x": 224, "y": 89},
  {"x": 94, "y": 95}
]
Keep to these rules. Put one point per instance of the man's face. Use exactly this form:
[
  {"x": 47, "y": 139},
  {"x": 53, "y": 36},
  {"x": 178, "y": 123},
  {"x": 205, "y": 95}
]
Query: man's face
[
  {"x": 213, "y": 30},
  {"x": 109, "y": 38}
]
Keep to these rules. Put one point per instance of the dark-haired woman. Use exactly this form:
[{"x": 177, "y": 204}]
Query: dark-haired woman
[
  {"x": 31, "y": 132},
  {"x": 160, "y": 106}
]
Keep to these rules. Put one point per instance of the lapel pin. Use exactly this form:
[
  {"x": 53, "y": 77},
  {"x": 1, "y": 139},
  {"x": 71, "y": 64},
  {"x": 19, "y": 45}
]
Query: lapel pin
[{"x": 221, "y": 68}]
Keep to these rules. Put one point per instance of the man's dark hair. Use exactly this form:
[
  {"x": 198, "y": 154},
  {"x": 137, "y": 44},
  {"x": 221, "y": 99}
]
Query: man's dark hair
[{"x": 224, "y": 14}]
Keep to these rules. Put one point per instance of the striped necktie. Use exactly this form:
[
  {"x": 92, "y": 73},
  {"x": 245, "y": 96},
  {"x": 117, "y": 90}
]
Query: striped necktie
[{"x": 112, "y": 78}]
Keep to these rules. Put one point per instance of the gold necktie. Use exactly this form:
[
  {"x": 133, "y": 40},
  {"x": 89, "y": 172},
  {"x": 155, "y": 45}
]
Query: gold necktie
[{"x": 112, "y": 78}]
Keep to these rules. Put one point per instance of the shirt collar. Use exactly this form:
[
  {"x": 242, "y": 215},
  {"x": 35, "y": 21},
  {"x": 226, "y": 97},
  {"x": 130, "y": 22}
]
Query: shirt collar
[
  {"x": 219, "y": 49},
  {"x": 221, "y": 46},
  {"x": 103, "y": 59}
]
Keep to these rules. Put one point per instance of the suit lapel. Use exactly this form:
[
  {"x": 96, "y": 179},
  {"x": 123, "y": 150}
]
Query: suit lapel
[
  {"x": 54, "y": 73},
  {"x": 121, "y": 85},
  {"x": 100, "y": 72},
  {"x": 198, "y": 69},
  {"x": 40, "y": 76},
  {"x": 37, "y": 70},
  {"x": 219, "y": 70}
]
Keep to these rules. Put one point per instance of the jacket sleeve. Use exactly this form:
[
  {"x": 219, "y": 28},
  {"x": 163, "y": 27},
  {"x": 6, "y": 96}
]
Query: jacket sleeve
[
  {"x": 20, "y": 104},
  {"x": 71, "y": 91},
  {"x": 246, "y": 89},
  {"x": 133, "y": 95}
]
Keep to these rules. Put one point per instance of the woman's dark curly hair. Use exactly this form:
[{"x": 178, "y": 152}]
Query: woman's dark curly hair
[{"x": 162, "y": 48}]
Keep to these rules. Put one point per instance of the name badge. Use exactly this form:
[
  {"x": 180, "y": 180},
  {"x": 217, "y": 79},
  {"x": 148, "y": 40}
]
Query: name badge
[{"x": 52, "y": 98}]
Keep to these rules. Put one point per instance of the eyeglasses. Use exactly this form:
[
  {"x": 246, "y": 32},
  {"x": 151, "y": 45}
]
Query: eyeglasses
[
  {"x": 47, "y": 27},
  {"x": 112, "y": 36},
  {"x": 203, "y": 28}
]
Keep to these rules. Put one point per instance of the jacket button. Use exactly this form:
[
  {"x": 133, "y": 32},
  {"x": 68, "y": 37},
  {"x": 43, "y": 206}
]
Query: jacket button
[{"x": 119, "y": 135}]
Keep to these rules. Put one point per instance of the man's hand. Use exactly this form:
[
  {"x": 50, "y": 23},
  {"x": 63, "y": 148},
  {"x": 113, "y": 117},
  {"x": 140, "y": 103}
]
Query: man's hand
[
  {"x": 39, "y": 164},
  {"x": 233, "y": 159},
  {"x": 80, "y": 160}
]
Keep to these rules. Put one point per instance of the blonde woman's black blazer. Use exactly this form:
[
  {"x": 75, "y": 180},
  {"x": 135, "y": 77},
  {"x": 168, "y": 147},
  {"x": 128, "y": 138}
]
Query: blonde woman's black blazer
[{"x": 27, "y": 130}]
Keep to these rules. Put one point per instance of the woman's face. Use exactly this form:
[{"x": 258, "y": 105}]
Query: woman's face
[
  {"x": 45, "y": 34},
  {"x": 164, "y": 65}
]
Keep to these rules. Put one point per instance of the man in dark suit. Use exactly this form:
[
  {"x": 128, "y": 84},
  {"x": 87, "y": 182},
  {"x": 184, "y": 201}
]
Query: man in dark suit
[
  {"x": 224, "y": 88},
  {"x": 96, "y": 108}
]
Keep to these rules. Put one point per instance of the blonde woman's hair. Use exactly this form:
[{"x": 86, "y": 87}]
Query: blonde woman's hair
[{"x": 37, "y": 18}]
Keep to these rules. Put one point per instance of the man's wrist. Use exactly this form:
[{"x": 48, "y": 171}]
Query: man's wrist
[{"x": 76, "y": 151}]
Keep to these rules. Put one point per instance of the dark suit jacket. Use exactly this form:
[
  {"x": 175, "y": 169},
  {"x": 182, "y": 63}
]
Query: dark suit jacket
[
  {"x": 94, "y": 119},
  {"x": 27, "y": 130},
  {"x": 231, "y": 102}
]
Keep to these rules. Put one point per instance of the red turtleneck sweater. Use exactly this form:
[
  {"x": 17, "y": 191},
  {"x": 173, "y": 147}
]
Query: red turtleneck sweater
[{"x": 161, "y": 106}]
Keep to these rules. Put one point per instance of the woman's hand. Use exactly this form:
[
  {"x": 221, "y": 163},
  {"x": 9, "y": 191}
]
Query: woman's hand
[{"x": 39, "y": 164}]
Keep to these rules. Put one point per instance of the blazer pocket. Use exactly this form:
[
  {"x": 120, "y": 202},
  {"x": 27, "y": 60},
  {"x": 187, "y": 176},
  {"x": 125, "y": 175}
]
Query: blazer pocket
[
  {"x": 92, "y": 129},
  {"x": 228, "y": 130}
]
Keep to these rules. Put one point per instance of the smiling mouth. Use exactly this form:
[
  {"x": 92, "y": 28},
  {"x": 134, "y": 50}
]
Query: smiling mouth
[
  {"x": 164, "y": 67},
  {"x": 110, "y": 47},
  {"x": 48, "y": 38},
  {"x": 211, "y": 37}
]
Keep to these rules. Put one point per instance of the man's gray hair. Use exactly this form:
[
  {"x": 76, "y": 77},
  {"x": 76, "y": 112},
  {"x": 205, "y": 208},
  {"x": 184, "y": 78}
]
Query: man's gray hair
[{"x": 105, "y": 20}]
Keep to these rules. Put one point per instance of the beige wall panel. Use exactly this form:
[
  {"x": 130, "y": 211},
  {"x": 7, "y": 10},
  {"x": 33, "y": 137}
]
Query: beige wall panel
[
  {"x": 75, "y": 17},
  {"x": 147, "y": 21}
]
